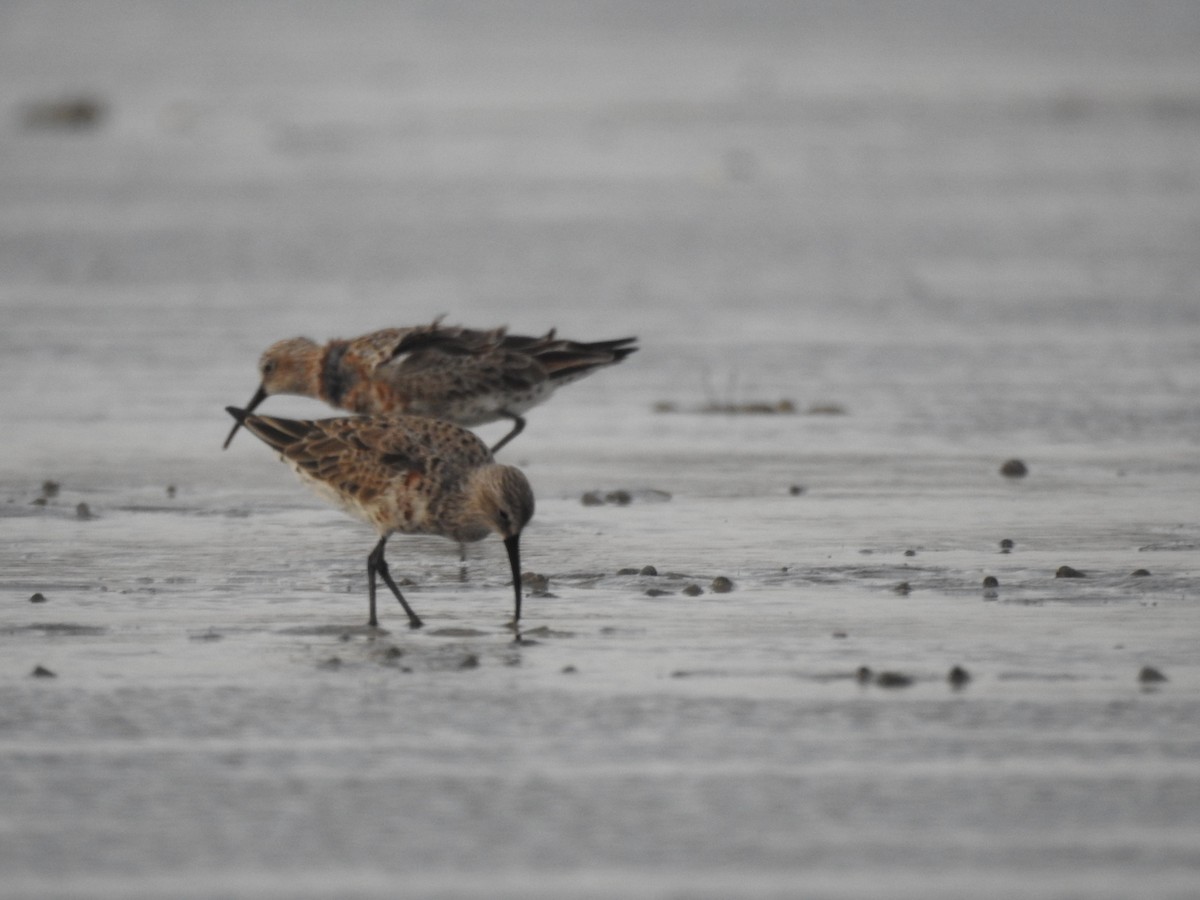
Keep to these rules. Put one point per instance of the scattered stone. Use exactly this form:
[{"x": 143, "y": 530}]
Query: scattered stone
[
  {"x": 910, "y": 552},
  {"x": 693, "y": 590},
  {"x": 1014, "y": 468},
  {"x": 470, "y": 661},
  {"x": 892, "y": 680},
  {"x": 840, "y": 634},
  {"x": 42, "y": 672},
  {"x": 827, "y": 409},
  {"x": 658, "y": 592},
  {"x": 903, "y": 589},
  {"x": 535, "y": 583},
  {"x": 331, "y": 664},
  {"x": 39, "y": 597},
  {"x": 648, "y": 570},
  {"x": 1140, "y": 573},
  {"x": 38, "y": 501},
  {"x": 721, "y": 585},
  {"x": 665, "y": 406},
  {"x": 1151, "y": 675},
  {"x": 623, "y": 497},
  {"x": 796, "y": 490},
  {"x": 1068, "y": 572},
  {"x": 83, "y": 512},
  {"x": 1006, "y": 545},
  {"x": 958, "y": 677},
  {"x": 628, "y": 570},
  {"x": 991, "y": 587},
  {"x": 863, "y": 675},
  {"x": 50, "y": 488},
  {"x": 569, "y": 670},
  {"x": 171, "y": 491},
  {"x": 991, "y": 581},
  {"x": 756, "y": 407},
  {"x": 76, "y": 113}
]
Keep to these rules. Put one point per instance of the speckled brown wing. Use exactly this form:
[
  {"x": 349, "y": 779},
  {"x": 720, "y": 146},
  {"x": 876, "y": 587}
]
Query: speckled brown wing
[{"x": 360, "y": 457}]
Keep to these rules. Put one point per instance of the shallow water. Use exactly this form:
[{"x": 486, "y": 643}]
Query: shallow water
[{"x": 949, "y": 238}]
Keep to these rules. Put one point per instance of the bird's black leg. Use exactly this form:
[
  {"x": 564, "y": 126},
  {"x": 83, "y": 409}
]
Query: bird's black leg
[
  {"x": 372, "y": 622},
  {"x": 376, "y": 563},
  {"x": 518, "y": 427}
]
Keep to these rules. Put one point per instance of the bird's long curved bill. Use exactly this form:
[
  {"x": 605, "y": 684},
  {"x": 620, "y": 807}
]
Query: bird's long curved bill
[
  {"x": 259, "y": 396},
  {"x": 512, "y": 545}
]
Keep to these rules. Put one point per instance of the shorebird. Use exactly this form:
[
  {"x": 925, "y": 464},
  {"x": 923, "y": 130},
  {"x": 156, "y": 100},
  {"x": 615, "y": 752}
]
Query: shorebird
[
  {"x": 461, "y": 375},
  {"x": 406, "y": 474}
]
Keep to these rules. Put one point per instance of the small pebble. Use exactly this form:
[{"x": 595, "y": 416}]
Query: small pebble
[
  {"x": 627, "y": 571},
  {"x": 863, "y": 675},
  {"x": 910, "y": 552},
  {"x": 83, "y": 511},
  {"x": 620, "y": 498},
  {"x": 721, "y": 585},
  {"x": 1068, "y": 572},
  {"x": 470, "y": 661},
  {"x": 592, "y": 498},
  {"x": 892, "y": 679},
  {"x": 393, "y": 653},
  {"x": 1151, "y": 675},
  {"x": 171, "y": 491},
  {"x": 903, "y": 589},
  {"x": 535, "y": 583},
  {"x": 1006, "y": 545},
  {"x": 827, "y": 409},
  {"x": 1140, "y": 573},
  {"x": 39, "y": 597},
  {"x": 569, "y": 670},
  {"x": 1014, "y": 468},
  {"x": 693, "y": 590},
  {"x": 658, "y": 592},
  {"x": 991, "y": 587},
  {"x": 69, "y": 112},
  {"x": 330, "y": 664},
  {"x": 50, "y": 488},
  {"x": 958, "y": 677},
  {"x": 648, "y": 570},
  {"x": 796, "y": 490},
  {"x": 991, "y": 581},
  {"x": 42, "y": 672},
  {"x": 840, "y": 634}
]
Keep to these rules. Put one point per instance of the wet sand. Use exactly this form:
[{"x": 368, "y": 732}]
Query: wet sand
[{"x": 945, "y": 239}]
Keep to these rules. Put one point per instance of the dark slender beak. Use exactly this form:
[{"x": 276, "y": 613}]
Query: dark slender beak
[
  {"x": 259, "y": 396},
  {"x": 512, "y": 545}
]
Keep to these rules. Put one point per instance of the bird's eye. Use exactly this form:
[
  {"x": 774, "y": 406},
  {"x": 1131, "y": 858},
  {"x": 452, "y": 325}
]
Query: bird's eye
[{"x": 268, "y": 367}]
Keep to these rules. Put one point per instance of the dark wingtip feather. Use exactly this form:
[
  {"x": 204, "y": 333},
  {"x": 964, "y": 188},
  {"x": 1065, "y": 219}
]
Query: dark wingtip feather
[{"x": 277, "y": 433}]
